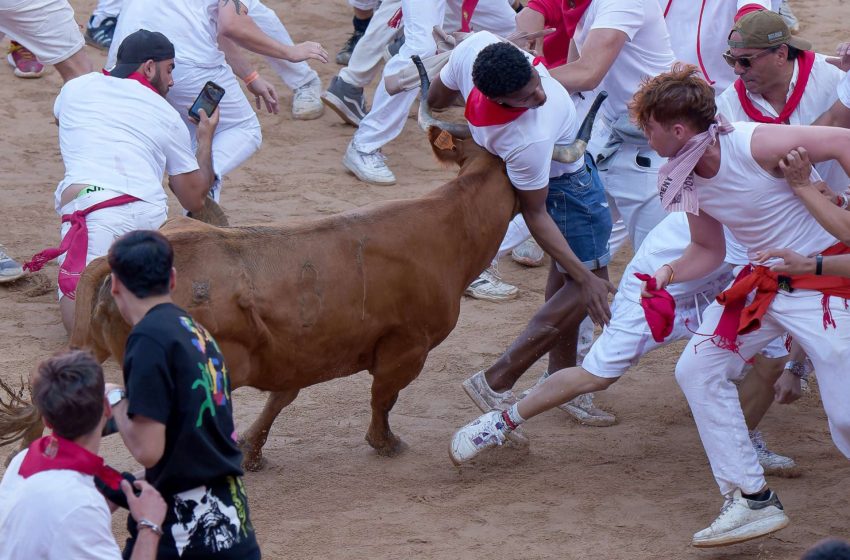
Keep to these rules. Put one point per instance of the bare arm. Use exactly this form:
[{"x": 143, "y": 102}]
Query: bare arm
[
  {"x": 772, "y": 142},
  {"x": 598, "y": 54},
  {"x": 795, "y": 263},
  {"x": 191, "y": 188},
  {"x": 837, "y": 115},
  {"x": 150, "y": 506},
  {"x": 702, "y": 256},
  {"x": 242, "y": 67},
  {"x": 529, "y": 21},
  {"x": 144, "y": 438},
  {"x": 440, "y": 96}
]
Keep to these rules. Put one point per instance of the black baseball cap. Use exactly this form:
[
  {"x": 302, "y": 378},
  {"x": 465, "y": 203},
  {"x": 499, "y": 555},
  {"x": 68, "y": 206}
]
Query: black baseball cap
[{"x": 139, "y": 47}]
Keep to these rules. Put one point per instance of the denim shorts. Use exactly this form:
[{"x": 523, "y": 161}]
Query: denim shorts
[{"x": 577, "y": 204}]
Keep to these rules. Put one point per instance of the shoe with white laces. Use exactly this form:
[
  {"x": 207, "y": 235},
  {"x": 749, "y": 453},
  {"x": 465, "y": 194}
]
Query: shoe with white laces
[
  {"x": 100, "y": 36},
  {"x": 307, "y": 102},
  {"x": 788, "y": 15},
  {"x": 10, "y": 269},
  {"x": 528, "y": 253},
  {"x": 486, "y": 399},
  {"x": 346, "y": 100},
  {"x": 486, "y": 431},
  {"x": 581, "y": 408},
  {"x": 742, "y": 519},
  {"x": 489, "y": 286},
  {"x": 369, "y": 167},
  {"x": 773, "y": 463}
]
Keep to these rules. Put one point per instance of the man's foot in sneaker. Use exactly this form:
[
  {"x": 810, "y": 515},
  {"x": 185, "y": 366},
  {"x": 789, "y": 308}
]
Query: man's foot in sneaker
[
  {"x": 10, "y": 270},
  {"x": 344, "y": 54},
  {"x": 773, "y": 463},
  {"x": 393, "y": 47},
  {"x": 528, "y": 253},
  {"x": 369, "y": 167},
  {"x": 100, "y": 36},
  {"x": 742, "y": 519},
  {"x": 490, "y": 287},
  {"x": 345, "y": 100},
  {"x": 486, "y": 399},
  {"x": 581, "y": 408},
  {"x": 24, "y": 62},
  {"x": 306, "y": 101},
  {"x": 789, "y": 17},
  {"x": 486, "y": 431}
]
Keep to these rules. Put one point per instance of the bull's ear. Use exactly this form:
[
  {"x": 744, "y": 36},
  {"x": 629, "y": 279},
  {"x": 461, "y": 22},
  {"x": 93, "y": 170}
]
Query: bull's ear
[{"x": 446, "y": 147}]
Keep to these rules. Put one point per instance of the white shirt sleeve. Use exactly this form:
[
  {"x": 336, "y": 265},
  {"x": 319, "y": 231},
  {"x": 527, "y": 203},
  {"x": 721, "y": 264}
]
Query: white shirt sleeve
[
  {"x": 844, "y": 90},
  {"x": 86, "y": 532},
  {"x": 624, "y": 15},
  {"x": 179, "y": 157},
  {"x": 448, "y": 75},
  {"x": 528, "y": 166}
]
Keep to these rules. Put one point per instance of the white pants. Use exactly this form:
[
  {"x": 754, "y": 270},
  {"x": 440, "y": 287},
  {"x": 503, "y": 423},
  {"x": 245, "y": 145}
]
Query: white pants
[
  {"x": 388, "y": 114},
  {"x": 293, "y": 74},
  {"x": 108, "y": 8},
  {"x": 107, "y": 225},
  {"x": 238, "y": 134},
  {"x": 363, "y": 4},
  {"x": 369, "y": 51},
  {"x": 706, "y": 373},
  {"x": 46, "y": 27}
]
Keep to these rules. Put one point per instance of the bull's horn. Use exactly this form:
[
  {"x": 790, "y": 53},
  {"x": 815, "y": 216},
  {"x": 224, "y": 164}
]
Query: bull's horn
[
  {"x": 426, "y": 120},
  {"x": 575, "y": 151}
]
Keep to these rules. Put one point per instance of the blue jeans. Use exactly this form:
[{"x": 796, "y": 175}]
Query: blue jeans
[{"x": 577, "y": 204}]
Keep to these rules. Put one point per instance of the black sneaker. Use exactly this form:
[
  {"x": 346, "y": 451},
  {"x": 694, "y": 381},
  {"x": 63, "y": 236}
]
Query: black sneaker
[
  {"x": 345, "y": 100},
  {"x": 100, "y": 37},
  {"x": 344, "y": 55}
]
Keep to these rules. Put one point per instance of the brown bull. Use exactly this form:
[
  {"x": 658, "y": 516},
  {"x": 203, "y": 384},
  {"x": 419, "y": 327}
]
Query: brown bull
[{"x": 370, "y": 289}]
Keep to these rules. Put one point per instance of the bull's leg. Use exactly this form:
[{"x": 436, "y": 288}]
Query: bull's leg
[
  {"x": 252, "y": 441},
  {"x": 397, "y": 364}
]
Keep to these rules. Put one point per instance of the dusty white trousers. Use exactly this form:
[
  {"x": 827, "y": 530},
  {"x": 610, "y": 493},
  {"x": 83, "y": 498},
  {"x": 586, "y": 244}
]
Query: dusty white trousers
[
  {"x": 363, "y": 4},
  {"x": 388, "y": 114},
  {"x": 706, "y": 374},
  {"x": 293, "y": 74},
  {"x": 107, "y": 8},
  {"x": 369, "y": 51}
]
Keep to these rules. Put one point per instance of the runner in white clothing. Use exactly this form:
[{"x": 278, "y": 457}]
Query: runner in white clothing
[{"x": 839, "y": 113}]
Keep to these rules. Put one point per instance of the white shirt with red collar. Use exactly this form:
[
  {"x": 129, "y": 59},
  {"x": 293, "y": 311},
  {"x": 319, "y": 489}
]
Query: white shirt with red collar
[{"x": 525, "y": 143}]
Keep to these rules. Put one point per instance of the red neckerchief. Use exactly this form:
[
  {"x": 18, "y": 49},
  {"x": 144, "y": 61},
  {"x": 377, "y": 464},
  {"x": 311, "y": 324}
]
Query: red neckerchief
[
  {"x": 747, "y": 9},
  {"x": 466, "y": 9},
  {"x": 482, "y": 111},
  {"x": 573, "y": 15},
  {"x": 55, "y": 453},
  {"x": 139, "y": 78},
  {"x": 807, "y": 60}
]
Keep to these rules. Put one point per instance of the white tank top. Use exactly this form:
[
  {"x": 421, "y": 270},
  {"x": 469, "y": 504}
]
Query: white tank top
[{"x": 760, "y": 210}]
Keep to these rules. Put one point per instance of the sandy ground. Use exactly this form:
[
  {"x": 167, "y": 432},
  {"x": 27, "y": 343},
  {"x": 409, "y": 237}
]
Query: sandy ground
[{"x": 635, "y": 490}]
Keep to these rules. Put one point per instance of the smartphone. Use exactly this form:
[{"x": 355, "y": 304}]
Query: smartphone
[{"x": 207, "y": 100}]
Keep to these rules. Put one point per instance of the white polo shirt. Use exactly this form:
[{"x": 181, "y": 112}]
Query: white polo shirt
[
  {"x": 54, "y": 515},
  {"x": 820, "y": 94},
  {"x": 526, "y": 143},
  {"x": 844, "y": 90},
  {"x": 647, "y": 52},
  {"x": 120, "y": 135}
]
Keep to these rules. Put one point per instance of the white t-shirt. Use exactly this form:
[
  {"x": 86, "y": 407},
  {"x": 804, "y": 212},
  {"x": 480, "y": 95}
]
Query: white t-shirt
[
  {"x": 820, "y": 94},
  {"x": 526, "y": 143},
  {"x": 647, "y": 52},
  {"x": 191, "y": 25},
  {"x": 120, "y": 135},
  {"x": 698, "y": 34},
  {"x": 844, "y": 90},
  {"x": 53, "y": 515}
]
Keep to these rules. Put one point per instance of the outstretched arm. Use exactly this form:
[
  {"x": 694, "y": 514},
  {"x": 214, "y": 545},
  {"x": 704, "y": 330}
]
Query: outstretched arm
[
  {"x": 597, "y": 55},
  {"x": 439, "y": 95},
  {"x": 772, "y": 142}
]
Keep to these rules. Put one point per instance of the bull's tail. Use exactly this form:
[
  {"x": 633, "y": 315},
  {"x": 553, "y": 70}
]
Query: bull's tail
[
  {"x": 19, "y": 419},
  {"x": 89, "y": 296}
]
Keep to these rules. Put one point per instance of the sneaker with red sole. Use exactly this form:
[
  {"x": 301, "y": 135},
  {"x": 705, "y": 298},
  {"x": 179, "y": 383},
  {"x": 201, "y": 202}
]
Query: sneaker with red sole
[{"x": 24, "y": 62}]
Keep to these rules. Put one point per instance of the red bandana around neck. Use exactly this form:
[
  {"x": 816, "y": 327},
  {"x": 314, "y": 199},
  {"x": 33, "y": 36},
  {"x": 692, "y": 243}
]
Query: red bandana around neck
[
  {"x": 482, "y": 111},
  {"x": 467, "y": 7},
  {"x": 139, "y": 78},
  {"x": 55, "y": 453},
  {"x": 573, "y": 15},
  {"x": 806, "y": 60}
]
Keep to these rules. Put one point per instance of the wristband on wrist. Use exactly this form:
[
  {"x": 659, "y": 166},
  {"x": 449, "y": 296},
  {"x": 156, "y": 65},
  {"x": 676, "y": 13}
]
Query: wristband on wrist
[
  {"x": 845, "y": 202},
  {"x": 797, "y": 369},
  {"x": 818, "y": 265},
  {"x": 252, "y": 77},
  {"x": 672, "y": 272},
  {"x": 146, "y": 524}
]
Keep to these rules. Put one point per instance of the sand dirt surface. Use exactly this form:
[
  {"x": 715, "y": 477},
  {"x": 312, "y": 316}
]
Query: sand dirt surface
[{"x": 637, "y": 490}]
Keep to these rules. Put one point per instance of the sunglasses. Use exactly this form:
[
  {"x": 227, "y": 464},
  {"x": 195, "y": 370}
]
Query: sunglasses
[{"x": 744, "y": 61}]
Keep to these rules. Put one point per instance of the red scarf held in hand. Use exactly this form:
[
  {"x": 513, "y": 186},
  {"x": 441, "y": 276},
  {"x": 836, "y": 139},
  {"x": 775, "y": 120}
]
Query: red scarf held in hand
[
  {"x": 572, "y": 15},
  {"x": 56, "y": 453},
  {"x": 806, "y": 60},
  {"x": 483, "y": 111},
  {"x": 659, "y": 310}
]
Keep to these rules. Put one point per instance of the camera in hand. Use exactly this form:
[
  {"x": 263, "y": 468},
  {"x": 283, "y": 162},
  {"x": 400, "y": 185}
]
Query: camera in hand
[{"x": 208, "y": 100}]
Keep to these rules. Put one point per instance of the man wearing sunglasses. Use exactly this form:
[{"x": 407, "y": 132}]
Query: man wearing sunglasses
[{"x": 780, "y": 80}]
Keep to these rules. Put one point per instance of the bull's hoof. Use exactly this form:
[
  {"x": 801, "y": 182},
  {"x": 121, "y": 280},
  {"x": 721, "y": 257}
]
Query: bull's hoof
[{"x": 388, "y": 447}]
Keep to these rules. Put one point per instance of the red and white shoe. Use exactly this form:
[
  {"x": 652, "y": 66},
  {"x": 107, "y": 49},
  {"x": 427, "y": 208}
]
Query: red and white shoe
[{"x": 24, "y": 62}]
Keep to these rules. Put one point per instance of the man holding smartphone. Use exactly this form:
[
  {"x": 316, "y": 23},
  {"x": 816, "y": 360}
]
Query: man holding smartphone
[{"x": 118, "y": 135}]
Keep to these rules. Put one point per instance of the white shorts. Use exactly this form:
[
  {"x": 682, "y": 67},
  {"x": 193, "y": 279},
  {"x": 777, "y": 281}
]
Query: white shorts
[
  {"x": 107, "y": 225},
  {"x": 363, "y": 4},
  {"x": 46, "y": 27}
]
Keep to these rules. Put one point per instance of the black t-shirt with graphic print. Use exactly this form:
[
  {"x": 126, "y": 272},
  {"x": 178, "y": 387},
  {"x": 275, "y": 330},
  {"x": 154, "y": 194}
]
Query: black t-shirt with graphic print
[{"x": 175, "y": 374}]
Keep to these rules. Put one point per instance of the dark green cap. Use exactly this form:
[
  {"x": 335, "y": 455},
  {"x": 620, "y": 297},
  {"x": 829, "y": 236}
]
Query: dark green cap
[{"x": 764, "y": 29}]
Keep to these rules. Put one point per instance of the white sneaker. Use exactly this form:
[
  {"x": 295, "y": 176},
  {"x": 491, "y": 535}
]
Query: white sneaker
[
  {"x": 486, "y": 399},
  {"x": 490, "y": 287},
  {"x": 528, "y": 253},
  {"x": 369, "y": 167},
  {"x": 307, "y": 102},
  {"x": 742, "y": 519},
  {"x": 486, "y": 431},
  {"x": 10, "y": 269},
  {"x": 581, "y": 408},
  {"x": 773, "y": 463}
]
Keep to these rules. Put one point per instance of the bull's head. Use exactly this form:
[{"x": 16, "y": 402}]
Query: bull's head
[{"x": 563, "y": 153}]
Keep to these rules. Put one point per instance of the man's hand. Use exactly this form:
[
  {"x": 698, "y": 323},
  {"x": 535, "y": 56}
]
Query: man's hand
[
  {"x": 662, "y": 280},
  {"x": 264, "y": 92},
  {"x": 308, "y": 50},
  {"x": 594, "y": 293},
  {"x": 842, "y": 58},
  {"x": 797, "y": 168},
  {"x": 787, "y": 388},
  {"x": 148, "y": 505},
  {"x": 793, "y": 263},
  {"x": 206, "y": 124}
]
